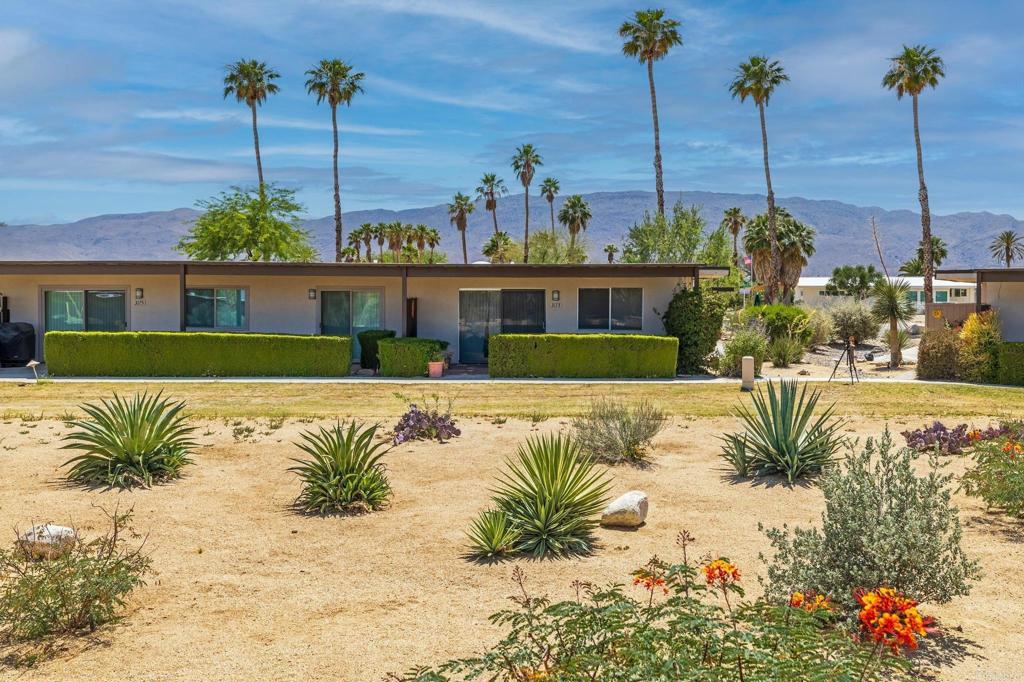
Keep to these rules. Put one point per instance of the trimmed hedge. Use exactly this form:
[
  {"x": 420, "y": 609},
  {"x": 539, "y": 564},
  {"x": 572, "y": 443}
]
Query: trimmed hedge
[
  {"x": 1011, "y": 363},
  {"x": 368, "y": 341},
  {"x": 937, "y": 356},
  {"x": 583, "y": 355},
  {"x": 407, "y": 357},
  {"x": 187, "y": 354}
]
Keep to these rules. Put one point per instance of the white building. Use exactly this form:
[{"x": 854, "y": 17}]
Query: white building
[{"x": 811, "y": 290}]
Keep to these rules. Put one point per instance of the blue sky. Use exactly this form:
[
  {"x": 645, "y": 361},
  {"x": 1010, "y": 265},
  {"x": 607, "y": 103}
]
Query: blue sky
[{"x": 114, "y": 106}]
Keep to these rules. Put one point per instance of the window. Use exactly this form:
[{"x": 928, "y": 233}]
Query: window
[
  {"x": 959, "y": 293},
  {"x": 611, "y": 309},
  {"x": 85, "y": 310},
  {"x": 346, "y": 313},
  {"x": 216, "y": 308},
  {"x": 941, "y": 296}
]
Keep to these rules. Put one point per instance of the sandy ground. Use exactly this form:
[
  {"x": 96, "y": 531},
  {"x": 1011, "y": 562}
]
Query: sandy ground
[{"x": 247, "y": 590}]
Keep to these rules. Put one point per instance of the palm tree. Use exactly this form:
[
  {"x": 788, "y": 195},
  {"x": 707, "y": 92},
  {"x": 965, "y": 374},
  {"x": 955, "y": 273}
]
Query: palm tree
[
  {"x": 912, "y": 267},
  {"x": 420, "y": 234},
  {"x": 499, "y": 248},
  {"x": 433, "y": 240},
  {"x": 910, "y": 72},
  {"x": 251, "y": 81},
  {"x": 796, "y": 244},
  {"x": 355, "y": 240},
  {"x": 648, "y": 38},
  {"x": 891, "y": 303},
  {"x": 524, "y": 163},
  {"x": 733, "y": 220},
  {"x": 611, "y": 250},
  {"x": 458, "y": 215},
  {"x": 939, "y": 251},
  {"x": 379, "y": 235},
  {"x": 491, "y": 187},
  {"x": 366, "y": 232},
  {"x": 1006, "y": 247},
  {"x": 574, "y": 214},
  {"x": 548, "y": 189},
  {"x": 395, "y": 234},
  {"x": 334, "y": 81},
  {"x": 757, "y": 78},
  {"x": 348, "y": 254}
]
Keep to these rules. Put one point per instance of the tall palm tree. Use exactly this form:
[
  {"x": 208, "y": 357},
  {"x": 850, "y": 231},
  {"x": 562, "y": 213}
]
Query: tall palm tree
[
  {"x": 491, "y": 187},
  {"x": 433, "y": 241},
  {"x": 380, "y": 236},
  {"x": 648, "y": 38},
  {"x": 757, "y": 78},
  {"x": 574, "y": 214},
  {"x": 395, "y": 234},
  {"x": 251, "y": 81},
  {"x": 1007, "y": 247},
  {"x": 611, "y": 250},
  {"x": 355, "y": 240},
  {"x": 796, "y": 245},
  {"x": 458, "y": 215},
  {"x": 366, "y": 232},
  {"x": 733, "y": 220},
  {"x": 891, "y": 304},
  {"x": 499, "y": 248},
  {"x": 420, "y": 233},
  {"x": 548, "y": 189},
  {"x": 910, "y": 72},
  {"x": 939, "y": 251},
  {"x": 524, "y": 163},
  {"x": 333, "y": 80}
]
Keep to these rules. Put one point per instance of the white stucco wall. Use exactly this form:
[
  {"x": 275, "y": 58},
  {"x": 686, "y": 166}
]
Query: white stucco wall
[{"x": 1008, "y": 299}]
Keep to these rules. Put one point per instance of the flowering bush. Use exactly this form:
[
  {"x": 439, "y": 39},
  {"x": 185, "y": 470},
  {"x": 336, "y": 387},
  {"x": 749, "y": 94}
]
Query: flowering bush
[
  {"x": 890, "y": 619},
  {"x": 951, "y": 441},
  {"x": 997, "y": 475},
  {"x": 810, "y": 601},
  {"x": 427, "y": 423}
]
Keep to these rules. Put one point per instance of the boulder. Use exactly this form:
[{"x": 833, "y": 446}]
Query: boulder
[
  {"x": 48, "y": 541},
  {"x": 628, "y": 511}
]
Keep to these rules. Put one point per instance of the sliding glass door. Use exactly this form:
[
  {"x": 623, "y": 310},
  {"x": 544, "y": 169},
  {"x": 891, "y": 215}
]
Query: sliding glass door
[
  {"x": 346, "y": 313},
  {"x": 483, "y": 312},
  {"x": 85, "y": 310}
]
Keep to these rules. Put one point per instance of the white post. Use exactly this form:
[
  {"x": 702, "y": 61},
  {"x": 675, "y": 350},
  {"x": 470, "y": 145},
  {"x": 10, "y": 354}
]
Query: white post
[{"x": 747, "y": 373}]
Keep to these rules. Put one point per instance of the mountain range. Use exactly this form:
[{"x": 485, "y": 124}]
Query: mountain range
[{"x": 843, "y": 230}]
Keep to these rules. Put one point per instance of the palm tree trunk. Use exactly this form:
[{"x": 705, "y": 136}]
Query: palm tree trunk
[
  {"x": 337, "y": 188},
  {"x": 659, "y": 186},
  {"x": 494, "y": 214},
  {"x": 611, "y": 257},
  {"x": 551, "y": 205},
  {"x": 926, "y": 216},
  {"x": 772, "y": 285},
  {"x": 526, "y": 236},
  {"x": 735, "y": 252},
  {"x": 256, "y": 144},
  {"x": 572, "y": 239},
  {"x": 465, "y": 252}
]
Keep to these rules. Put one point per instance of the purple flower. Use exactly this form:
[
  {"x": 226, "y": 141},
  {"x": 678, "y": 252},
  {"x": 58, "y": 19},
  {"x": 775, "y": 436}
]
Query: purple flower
[{"x": 429, "y": 424}]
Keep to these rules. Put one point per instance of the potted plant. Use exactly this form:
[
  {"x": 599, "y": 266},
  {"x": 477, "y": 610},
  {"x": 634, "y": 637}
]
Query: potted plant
[{"x": 435, "y": 366}]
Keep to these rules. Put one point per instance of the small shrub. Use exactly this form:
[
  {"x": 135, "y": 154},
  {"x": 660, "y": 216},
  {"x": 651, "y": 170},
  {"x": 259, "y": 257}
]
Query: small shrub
[
  {"x": 750, "y": 341},
  {"x": 780, "y": 320},
  {"x": 427, "y": 423},
  {"x": 902, "y": 341},
  {"x": 883, "y": 525},
  {"x": 820, "y": 328},
  {"x": 127, "y": 442},
  {"x": 75, "y": 590},
  {"x": 939, "y": 438},
  {"x": 997, "y": 475},
  {"x": 938, "y": 354},
  {"x": 853, "y": 318},
  {"x": 611, "y": 431},
  {"x": 492, "y": 535},
  {"x": 783, "y": 435},
  {"x": 552, "y": 495},
  {"x": 344, "y": 473},
  {"x": 695, "y": 317},
  {"x": 785, "y": 351},
  {"x": 980, "y": 338},
  {"x": 407, "y": 356},
  {"x": 368, "y": 340}
]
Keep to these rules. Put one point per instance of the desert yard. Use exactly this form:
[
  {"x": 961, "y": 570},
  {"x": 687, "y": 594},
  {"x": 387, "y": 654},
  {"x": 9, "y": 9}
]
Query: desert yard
[{"x": 245, "y": 588}]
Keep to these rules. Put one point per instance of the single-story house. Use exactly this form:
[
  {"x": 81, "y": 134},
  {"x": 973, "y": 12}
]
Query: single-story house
[
  {"x": 811, "y": 290},
  {"x": 1001, "y": 289},
  {"x": 460, "y": 304}
]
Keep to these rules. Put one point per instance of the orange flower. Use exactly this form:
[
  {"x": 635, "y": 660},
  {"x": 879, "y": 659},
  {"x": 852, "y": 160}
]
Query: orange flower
[
  {"x": 974, "y": 435},
  {"x": 721, "y": 573},
  {"x": 810, "y": 601},
  {"x": 650, "y": 582},
  {"x": 890, "y": 618}
]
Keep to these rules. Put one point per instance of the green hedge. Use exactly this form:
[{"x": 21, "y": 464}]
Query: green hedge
[
  {"x": 186, "y": 354},
  {"x": 582, "y": 355},
  {"x": 1011, "y": 363},
  {"x": 937, "y": 356},
  {"x": 368, "y": 341},
  {"x": 407, "y": 357}
]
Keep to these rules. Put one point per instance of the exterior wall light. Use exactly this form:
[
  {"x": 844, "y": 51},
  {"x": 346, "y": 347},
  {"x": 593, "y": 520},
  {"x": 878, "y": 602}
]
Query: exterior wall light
[
  {"x": 312, "y": 294},
  {"x": 139, "y": 294},
  {"x": 556, "y": 295}
]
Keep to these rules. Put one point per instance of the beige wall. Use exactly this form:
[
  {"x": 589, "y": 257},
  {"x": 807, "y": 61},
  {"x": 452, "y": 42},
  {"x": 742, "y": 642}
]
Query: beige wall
[{"x": 1008, "y": 299}]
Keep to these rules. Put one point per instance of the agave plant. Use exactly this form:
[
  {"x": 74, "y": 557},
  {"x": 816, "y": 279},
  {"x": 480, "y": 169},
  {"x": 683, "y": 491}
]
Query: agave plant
[
  {"x": 126, "y": 442},
  {"x": 783, "y": 435},
  {"x": 344, "y": 473},
  {"x": 551, "y": 495},
  {"x": 492, "y": 535}
]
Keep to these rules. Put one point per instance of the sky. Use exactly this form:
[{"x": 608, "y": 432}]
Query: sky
[{"x": 115, "y": 106}]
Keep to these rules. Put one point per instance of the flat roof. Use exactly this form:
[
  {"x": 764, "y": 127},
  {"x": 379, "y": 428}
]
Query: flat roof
[
  {"x": 984, "y": 275},
  {"x": 914, "y": 282},
  {"x": 366, "y": 269}
]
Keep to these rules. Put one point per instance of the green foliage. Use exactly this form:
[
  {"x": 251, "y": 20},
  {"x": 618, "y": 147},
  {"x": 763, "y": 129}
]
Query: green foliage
[
  {"x": 1011, "y": 363},
  {"x": 195, "y": 354},
  {"x": 368, "y": 340},
  {"x": 997, "y": 475},
  {"x": 258, "y": 225},
  {"x": 750, "y": 341},
  {"x": 82, "y": 587},
  {"x": 554, "y": 247},
  {"x": 854, "y": 318},
  {"x": 407, "y": 357},
  {"x": 783, "y": 436},
  {"x": 855, "y": 281},
  {"x": 785, "y": 351},
  {"x": 492, "y": 535},
  {"x": 582, "y": 355},
  {"x": 657, "y": 239},
  {"x": 126, "y": 442},
  {"x": 902, "y": 341},
  {"x": 820, "y": 327},
  {"x": 552, "y": 496},
  {"x": 883, "y": 525},
  {"x": 694, "y": 316},
  {"x": 938, "y": 355},
  {"x": 613, "y": 431},
  {"x": 980, "y": 339},
  {"x": 780, "y": 320},
  {"x": 716, "y": 250},
  {"x": 344, "y": 473}
]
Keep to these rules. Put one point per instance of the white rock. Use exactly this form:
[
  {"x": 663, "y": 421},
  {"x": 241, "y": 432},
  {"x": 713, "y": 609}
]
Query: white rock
[
  {"x": 628, "y": 511},
  {"x": 48, "y": 541}
]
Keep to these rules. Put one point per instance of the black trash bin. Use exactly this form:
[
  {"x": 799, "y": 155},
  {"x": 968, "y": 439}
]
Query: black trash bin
[{"x": 17, "y": 344}]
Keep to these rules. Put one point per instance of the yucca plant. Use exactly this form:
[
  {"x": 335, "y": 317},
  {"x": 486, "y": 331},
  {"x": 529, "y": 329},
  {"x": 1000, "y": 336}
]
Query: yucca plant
[
  {"x": 783, "y": 435},
  {"x": 492, "y": 535},
  {"x": 344, "y": 473},
  {"x": 126, "y": 442},
  {"x": 552, "y": 495}
]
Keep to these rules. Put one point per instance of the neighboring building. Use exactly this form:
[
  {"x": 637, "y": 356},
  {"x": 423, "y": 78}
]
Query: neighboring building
[
  {"x": 811, "y": 290},
  {"x": 1001, "y": 289},
  {"x": 460, "y": 304}
]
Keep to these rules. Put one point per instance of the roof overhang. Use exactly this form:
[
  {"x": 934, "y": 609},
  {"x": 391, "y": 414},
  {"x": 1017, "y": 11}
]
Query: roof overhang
[{"x": 983, "y": 275}]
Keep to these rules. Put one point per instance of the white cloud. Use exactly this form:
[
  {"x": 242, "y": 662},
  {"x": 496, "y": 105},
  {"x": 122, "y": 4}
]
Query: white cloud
[
  {"x": 17, "y": 131},
  {"x": 200, "y": 115},
  {"x": 491, "y": 99}
]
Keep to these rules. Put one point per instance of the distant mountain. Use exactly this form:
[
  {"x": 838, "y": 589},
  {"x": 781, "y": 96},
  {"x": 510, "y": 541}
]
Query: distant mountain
[{"x": 844, "y": 233}]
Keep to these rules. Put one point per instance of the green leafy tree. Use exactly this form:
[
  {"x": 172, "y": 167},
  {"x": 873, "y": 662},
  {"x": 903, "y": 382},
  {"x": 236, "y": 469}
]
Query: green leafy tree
[
  {"x": 553, "y": 248},
  {"x": 657, "y": 240},
  {"x": 910, "y": 72},
  {"x": 574, "y": 215},
  {"x": 458, "y": 215},
  {"x": 855, "y": 281},
  {"x": 695, "y": 317},
  {"x": 1007, "y": 247},
  {"x": 733, "y": 220},
  {"x": 890, "y": 304},
  {"x": 548, "y": 189},
  {"x": 939, "y": 251},
  {"x": 757, "y": 78},
  {"x": 648, "y": 38},
  {"x": 716, "y": 249},
  {"x": 251, "y": 81},
  {"x": 334, "y": 81},
  {"x": 524, "y": 163},
  {"x": 491, "y": 187},
  {"x": 257, "y": 225}
]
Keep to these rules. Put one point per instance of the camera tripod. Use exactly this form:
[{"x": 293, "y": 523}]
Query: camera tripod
[{"x": 850, "y": 355}]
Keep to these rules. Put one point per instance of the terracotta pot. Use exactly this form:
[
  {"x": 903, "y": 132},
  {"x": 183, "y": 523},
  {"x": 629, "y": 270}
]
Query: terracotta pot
[{"x": 435, "y": 370}]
